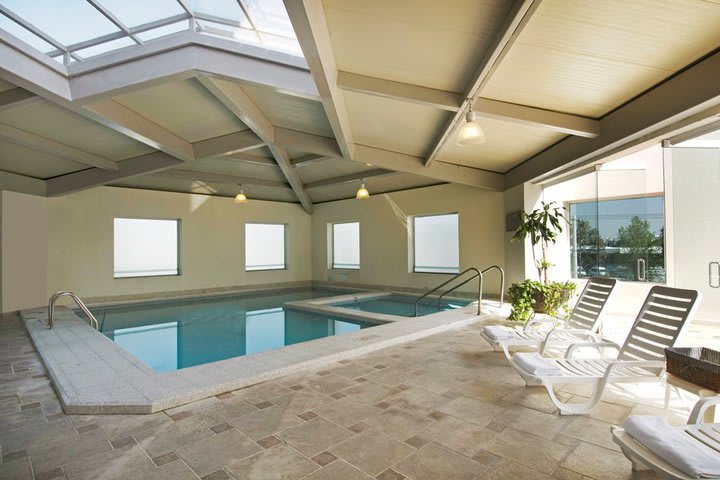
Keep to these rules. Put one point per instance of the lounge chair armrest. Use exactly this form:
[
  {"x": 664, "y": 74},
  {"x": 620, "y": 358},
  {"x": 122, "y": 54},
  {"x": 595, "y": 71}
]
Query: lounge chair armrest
[
  {"x": 596, "y": 345},
  {"x": 698, "y": 411},
  {"x": 537, "y": 321},
  {"x": 616, "y": 364},
  {"x": 547, "y": 343}
]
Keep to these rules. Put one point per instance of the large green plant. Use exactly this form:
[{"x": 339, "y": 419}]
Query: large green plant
[{"x": 542, "y": 226}]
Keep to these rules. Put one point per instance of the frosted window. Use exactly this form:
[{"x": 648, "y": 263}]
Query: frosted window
[
  {"x": 145, "y": 247},
  {"x": 264, "y": 246},
  {"x": 436, "y": 244},
  {"x": 346, "y": 245}
]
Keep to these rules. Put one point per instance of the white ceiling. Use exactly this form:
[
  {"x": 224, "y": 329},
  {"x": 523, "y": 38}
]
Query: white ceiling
[{"x": 583, "y": 58}]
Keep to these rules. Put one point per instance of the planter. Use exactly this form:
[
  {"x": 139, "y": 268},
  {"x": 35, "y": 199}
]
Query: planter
[
  {"x": 539, "y": 300},
  {"x": 531, "y": 297}
]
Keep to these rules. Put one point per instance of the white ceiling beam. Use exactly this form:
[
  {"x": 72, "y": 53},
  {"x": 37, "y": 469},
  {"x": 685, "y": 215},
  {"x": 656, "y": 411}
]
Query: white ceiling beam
[
  {"x": 237, "y": 101},
  {"x": 310, "y": 159},
  {"x": 308, "y": 21},
  {"x": 380, "y": 87},
  {"x": 680, "y": 103},
  {"x": 451, "y": 102},
  {"x": 307, "y": 142},
  {"x": 227, "y": 144},
  {"x": 36, "y": 142},
  {"x": 537, "y": 117},
  {"x": 124, "y": 120},
  {"x": 446, "y": 172},
  {"x": 517, "y": 18},
  {"x": 351, "y": 178},
  {"x": 221, "y": 179},
  {"x": 32, "y": 72},
  {"x": 250, "y": 159},
  {"x": 96, "y": 177},
  {"x": 22, "y": 184},
  {"x": 16, "y": 97}
]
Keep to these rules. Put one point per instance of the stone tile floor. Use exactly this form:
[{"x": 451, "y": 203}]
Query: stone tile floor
[{"x": 444, "y": 407}]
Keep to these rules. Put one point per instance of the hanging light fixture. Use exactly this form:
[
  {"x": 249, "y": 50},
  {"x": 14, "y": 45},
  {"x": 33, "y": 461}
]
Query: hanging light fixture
[
  {"x": 362, "y": 192},
  {"x": 470, "y": 133},
  {"x": 241, "y": 197}
]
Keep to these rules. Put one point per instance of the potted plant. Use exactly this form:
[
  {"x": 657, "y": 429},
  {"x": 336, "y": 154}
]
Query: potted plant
[{"x": 542, "y": 226}]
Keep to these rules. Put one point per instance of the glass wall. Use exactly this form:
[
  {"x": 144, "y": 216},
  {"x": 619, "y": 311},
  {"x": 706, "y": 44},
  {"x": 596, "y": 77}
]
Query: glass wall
[{"x": 616, "y": 220}]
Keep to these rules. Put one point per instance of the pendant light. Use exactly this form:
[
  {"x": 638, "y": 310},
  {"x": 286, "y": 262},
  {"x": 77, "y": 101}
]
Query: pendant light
[
  {"x": 362, "y": 192},
  {"x": 241, "y": 197},
  {"x": 470, "y": 133}
]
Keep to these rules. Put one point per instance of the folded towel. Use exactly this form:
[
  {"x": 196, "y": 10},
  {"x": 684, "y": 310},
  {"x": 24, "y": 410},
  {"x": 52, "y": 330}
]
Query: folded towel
[
  {"x": 497, "y": 332},
  {"x": 674, "y": 446},
  {"x": 534, "y": 364}
]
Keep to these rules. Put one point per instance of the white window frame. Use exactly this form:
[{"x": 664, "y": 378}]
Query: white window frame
[
  {"x": 413, "y": 242},
  {"x": 178, "y": 223},
  {"x": 285, "y": 247},
  {"x": 332, "y": 246}
]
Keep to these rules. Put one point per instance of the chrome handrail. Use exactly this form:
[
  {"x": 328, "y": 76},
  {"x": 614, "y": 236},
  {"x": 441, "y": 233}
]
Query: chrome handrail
[
  {"x": 455, "y": 277},
  {"x": 64, "y": 293},
  {"x": 502, "y": 285}
]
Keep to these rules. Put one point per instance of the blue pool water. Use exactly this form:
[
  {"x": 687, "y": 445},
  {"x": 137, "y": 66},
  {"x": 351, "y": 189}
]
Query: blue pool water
[
  {"x": 402, "y": 305},
  {"x": 183, "y": 333}
]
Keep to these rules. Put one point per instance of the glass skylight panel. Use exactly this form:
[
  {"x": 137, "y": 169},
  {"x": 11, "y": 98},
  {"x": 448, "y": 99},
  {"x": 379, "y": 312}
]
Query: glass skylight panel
[
  {"x": 133, "y": 13},
  {"x": 163, "y": 31},
  {"x": 282, "y": 44},
  {"x": 227, "y": 9},
  {"x": 67, "y": 21},
  {"x": 270, "y": 16},
  {"x": 25, "y": 35},
  {"x": 105, "y": 47}
]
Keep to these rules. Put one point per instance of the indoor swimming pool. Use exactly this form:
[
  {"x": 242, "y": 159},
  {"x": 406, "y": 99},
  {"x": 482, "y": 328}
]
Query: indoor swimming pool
[
  {"x": 177, "y": 334},
  {"x": 402, "y": 305}
]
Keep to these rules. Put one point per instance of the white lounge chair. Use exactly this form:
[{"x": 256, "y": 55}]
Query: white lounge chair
[
  {"x": 678, "y": 452},
  {"x": 661, "y": 320},
  {"x": 583, "y": 324}
]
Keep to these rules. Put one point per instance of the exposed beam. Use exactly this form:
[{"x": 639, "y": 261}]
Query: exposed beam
[
  {"x": 221, "y": 179},
  {"x": 310, "y": 159},
  {"x": 22, "y": 184},
  {"x": 537, "y": 117},
  {"x": 517, "y": 18},
  {"x": 686, "y": 100},
  {"x": 446, "y": 172},
  {"x": 238, "y": 102},
  {"x": 36, "y": 142},
  {"x": 450, "y": 101},
  {"x": 227, "y": 144},
  {"x": 380, "y": 87},
  {"x": 308, "y": 21},
  {"x": 307, "y": 142},
  {"x": 120, "y": 118},
  {"x": 96, "y": 177},
  {"x": 16, "y": 97},
  {"x": 353, "y": 177},
  {"x": 251, "y": 159}
]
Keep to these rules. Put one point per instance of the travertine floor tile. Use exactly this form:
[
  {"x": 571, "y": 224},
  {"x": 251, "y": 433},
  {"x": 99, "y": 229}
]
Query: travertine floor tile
[
  {"x": 433, "y": 462},
  {"x": 265, "y": 422},
  {"x": 598, "y": 463},
  {"x": 314, "y": 436},
  {"x": 529, "y": 450},
  {"x": 217, "y": 451},
  {"x": 169, "y": 437},
  {"x": 463, "y": 437},
  {"x": 277, "y": 463},
  {"x": 372, "y": 451},
  {"x": 49, "y": 456},
  {"x": 338, "y": 470},
  {"x": 398, "y": 423},
  {"x": 112, "y": 465},
  {"x": 347, "y": 411}
]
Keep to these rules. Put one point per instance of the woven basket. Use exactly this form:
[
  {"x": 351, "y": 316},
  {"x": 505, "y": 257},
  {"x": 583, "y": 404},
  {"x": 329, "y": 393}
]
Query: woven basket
[{"x": 700, "y": 366}]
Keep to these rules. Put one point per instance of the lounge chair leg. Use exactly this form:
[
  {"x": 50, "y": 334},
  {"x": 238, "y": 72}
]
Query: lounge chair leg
[{"x": 567, "y": 408}]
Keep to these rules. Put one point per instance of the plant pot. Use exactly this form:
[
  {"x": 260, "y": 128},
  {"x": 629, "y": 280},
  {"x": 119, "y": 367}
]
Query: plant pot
[{"x": 539, "y": 298}]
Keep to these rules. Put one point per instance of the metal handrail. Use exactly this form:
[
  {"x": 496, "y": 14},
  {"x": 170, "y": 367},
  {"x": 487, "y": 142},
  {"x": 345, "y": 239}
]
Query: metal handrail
[
  {"x": 64, "y": 293},
  {"x": 502, "y": 285},
  {"x": 455, "y": 277}
]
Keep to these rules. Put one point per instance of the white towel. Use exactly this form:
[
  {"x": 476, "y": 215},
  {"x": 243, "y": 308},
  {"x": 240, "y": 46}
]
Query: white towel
[
  {"x": 674, "y": 446},
  {"x": 497, "y": 332},
  {"x": 534, "y": 364}
]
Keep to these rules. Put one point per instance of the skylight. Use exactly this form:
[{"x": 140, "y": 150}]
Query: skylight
[{"x": 76, "y": 30}]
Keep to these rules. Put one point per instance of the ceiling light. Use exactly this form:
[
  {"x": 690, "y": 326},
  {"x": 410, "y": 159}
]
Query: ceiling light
[
  {"x": 470, "y": 133},
  {"x": 362, "y": 192},
  {"x": 241, "y": 197}
]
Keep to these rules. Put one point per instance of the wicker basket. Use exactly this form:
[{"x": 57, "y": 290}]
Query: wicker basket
[{"x": 700, "y": 366}]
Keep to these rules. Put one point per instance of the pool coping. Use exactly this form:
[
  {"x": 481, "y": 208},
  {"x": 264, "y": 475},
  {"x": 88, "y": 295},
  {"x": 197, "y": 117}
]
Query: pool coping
[{"x": 93, "y": 375}]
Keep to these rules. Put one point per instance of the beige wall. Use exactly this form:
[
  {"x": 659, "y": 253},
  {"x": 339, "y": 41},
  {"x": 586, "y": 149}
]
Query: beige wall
[
  {"x": 24, "y": 250},
  {"x": 384, "y": 252},
  {"x": 80, "y": 255}
]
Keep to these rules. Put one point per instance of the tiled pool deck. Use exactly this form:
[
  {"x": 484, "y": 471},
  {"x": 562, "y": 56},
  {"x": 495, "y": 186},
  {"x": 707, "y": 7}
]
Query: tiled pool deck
[{"x": 442, "y": 407}]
